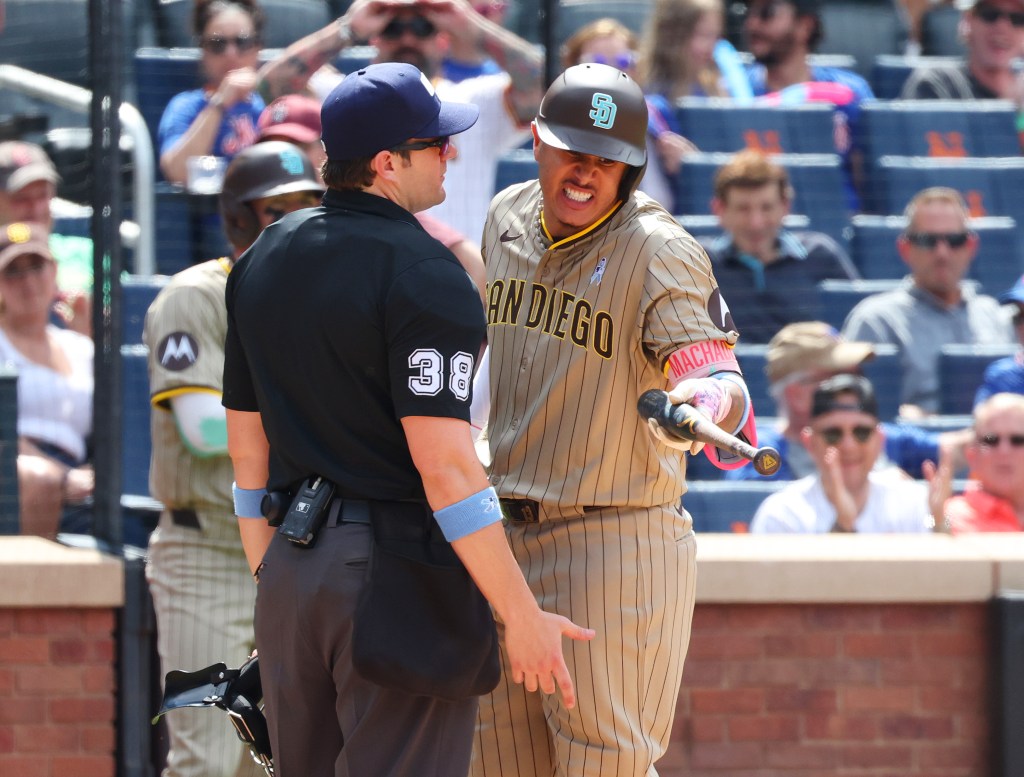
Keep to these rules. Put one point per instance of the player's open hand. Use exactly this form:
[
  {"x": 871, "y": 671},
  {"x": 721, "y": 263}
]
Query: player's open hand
[{"x": 535, "y": 653}]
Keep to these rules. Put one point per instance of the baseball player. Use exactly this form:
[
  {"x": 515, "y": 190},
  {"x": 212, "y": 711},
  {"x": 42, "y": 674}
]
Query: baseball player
[
  {"x": 595, "y": 295},
  {"x": 202, "y": 591}
]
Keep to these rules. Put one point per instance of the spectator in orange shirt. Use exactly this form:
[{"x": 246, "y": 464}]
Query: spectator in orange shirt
[{"x": 994, "y": 500}]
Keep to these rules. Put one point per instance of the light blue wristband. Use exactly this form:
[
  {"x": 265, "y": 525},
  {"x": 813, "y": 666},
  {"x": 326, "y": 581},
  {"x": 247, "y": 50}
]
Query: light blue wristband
[
  {"x": 248, "y": 501},
  {"x": 471, "y": 514}
]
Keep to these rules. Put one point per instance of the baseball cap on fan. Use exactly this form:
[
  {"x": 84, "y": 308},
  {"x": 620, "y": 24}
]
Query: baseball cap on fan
[
  {"x": 24, "y": 163},
  {"x": 383, "y": 105},
  {"x": 293, "y": 117},
  {"x": 812, "y": 345},
  {"x": 20, "y": 238}
]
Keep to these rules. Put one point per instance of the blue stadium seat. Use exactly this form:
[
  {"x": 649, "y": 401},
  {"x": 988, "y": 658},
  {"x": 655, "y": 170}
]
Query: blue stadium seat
[
  {"x": 714, "y": 124},
  {"x": 49, "y": 37},
  {"x": 938, "y": 128},
  {"x": 515, "y": 166},
  {"x": 753, "y": 359},
  {"x": 726, "y": 505},
  {"x": 839, "y": 296},
  {"x": 873, "y": 246},
  {"x": 863, "y": 29},
  {"x": 159, "y": 75},
  {"x": 817, "y": 182},
  {"x": 570, "y": 15},
  {"x": 286, "y": 21},
  {"x": 886, "y": 375},
  {"x": 940, "y": 31},
  {"x": 136, "y": 444},
  {"x": 175, "y": 241},
  {"x": 992, "y": 187},
  {"x": 890, "y": 71},
  {"x": 706, "y": 225},
  {"x": 961, "y": 368},
  {"x": 997, "y": 266},
  {"x": 137, "y": 292}
]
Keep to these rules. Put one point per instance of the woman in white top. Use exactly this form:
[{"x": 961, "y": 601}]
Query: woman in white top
[{"x": 55, "y": 382}]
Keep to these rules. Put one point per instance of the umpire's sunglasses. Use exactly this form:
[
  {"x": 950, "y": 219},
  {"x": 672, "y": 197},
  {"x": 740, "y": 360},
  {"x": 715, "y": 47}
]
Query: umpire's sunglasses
[
  {"x": 932, "y": 239},
  {"x": 442, "y": 144},
  {"x": 218, "y": 44},
  {"x": 417, "y": 25}
]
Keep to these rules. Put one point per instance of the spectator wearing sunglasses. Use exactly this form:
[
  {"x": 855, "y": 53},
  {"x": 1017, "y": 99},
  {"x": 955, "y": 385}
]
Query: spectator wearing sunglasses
[
  {"x": 221, "y": 117},
  {"x": 419, "y": 33},
  {"x": 846, "y": 493},
  {"x": 934, "y": 305},
  {"x": 781, "y": 34},
  {"x": 1007, "y": 374},
  {"x": 993, "y": 35},
  {"x": 994, "y": 498},
  {"x": 801, "y": 356}
]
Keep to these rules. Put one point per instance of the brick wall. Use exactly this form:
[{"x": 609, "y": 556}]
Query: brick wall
[
  {"x": 816, "y": 690},
  {"x": 57, "y": 708}
]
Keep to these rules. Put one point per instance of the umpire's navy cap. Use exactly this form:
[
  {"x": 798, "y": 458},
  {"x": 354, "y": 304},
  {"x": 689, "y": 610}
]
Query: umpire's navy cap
[{"x": 383, "y": 105}]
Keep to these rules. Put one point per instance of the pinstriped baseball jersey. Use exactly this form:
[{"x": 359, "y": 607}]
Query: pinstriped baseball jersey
[
  {"x": 584, "y": 326},
  {"x": 185, "y": 330}
]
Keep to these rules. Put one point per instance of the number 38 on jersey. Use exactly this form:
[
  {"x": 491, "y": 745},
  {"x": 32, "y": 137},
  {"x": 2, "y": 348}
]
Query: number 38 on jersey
[{"x": 432, "y": 374}]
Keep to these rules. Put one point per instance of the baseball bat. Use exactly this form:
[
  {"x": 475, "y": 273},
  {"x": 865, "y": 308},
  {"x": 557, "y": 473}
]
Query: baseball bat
[{"x": 688, "y": 423}]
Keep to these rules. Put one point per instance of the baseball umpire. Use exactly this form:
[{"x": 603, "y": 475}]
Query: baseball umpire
[
  {"x": 352, "y": 337},
  {"x": 202, "y": 591},
  {"x": 596, "y": 295}
]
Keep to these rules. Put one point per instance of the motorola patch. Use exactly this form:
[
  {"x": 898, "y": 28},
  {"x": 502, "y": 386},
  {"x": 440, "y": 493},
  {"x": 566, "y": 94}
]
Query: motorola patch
[
  {"x": 719, "y": 311},
  {"x": 177, "y": 351}
]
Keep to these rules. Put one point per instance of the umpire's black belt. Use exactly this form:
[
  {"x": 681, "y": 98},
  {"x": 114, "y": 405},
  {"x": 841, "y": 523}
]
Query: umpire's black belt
[
  {"x": 528, "y": 510},
  {"x": 348, "y": 511}
]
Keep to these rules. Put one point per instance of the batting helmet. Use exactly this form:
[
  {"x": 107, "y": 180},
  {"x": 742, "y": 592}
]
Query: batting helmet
[
  {"x": 598, "y": 110},
  {"x": 264, "y": 170}
]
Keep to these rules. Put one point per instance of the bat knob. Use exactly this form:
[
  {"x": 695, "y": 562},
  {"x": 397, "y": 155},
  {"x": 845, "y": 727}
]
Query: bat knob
[{"x": 767, "y": 461}]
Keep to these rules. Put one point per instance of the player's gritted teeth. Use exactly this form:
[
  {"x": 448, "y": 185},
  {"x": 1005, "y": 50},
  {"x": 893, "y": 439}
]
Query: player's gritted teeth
[{"x": 577, "y": 195}]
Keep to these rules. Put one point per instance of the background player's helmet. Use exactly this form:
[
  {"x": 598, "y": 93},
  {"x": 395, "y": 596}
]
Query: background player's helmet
[
  {"x": 264, "y": 170},
  {"x": 599, "y": 110}
]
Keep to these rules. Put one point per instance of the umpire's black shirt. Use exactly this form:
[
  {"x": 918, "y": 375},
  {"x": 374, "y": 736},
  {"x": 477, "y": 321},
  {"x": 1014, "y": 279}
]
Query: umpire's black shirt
[{"x": 342, "y": 320}]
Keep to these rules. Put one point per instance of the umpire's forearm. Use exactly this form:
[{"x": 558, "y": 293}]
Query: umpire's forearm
[{"x": 256, "y": 537}]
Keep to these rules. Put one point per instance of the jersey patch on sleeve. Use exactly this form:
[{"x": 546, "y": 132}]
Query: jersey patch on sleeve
[
  {"x": 177, "y": 351},
  {"x": 718, "y": 310}
]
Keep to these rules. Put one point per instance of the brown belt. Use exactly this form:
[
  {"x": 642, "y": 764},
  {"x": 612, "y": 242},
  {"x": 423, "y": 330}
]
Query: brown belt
[{"x": 528, "y": 510}]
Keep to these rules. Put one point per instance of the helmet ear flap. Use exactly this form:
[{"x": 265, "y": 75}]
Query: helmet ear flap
[{"x": 240, "y": 224}]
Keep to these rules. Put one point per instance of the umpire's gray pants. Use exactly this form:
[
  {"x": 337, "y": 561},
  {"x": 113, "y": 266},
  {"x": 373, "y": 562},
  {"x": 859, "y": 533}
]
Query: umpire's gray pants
[{"x": 325, "y": 720}]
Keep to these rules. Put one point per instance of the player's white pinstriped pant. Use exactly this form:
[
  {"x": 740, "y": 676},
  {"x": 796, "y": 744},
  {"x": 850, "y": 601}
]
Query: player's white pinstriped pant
[
  {"x": 204, "y": 594},
  {"x": 629, "y": 573}
]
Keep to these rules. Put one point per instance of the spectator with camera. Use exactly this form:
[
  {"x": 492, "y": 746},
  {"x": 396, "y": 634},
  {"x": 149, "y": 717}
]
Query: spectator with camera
[{"x": 418, "y": 33}]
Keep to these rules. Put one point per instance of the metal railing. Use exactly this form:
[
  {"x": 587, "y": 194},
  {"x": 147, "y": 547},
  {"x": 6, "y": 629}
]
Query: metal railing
[{"x": 77, "y": 99}]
